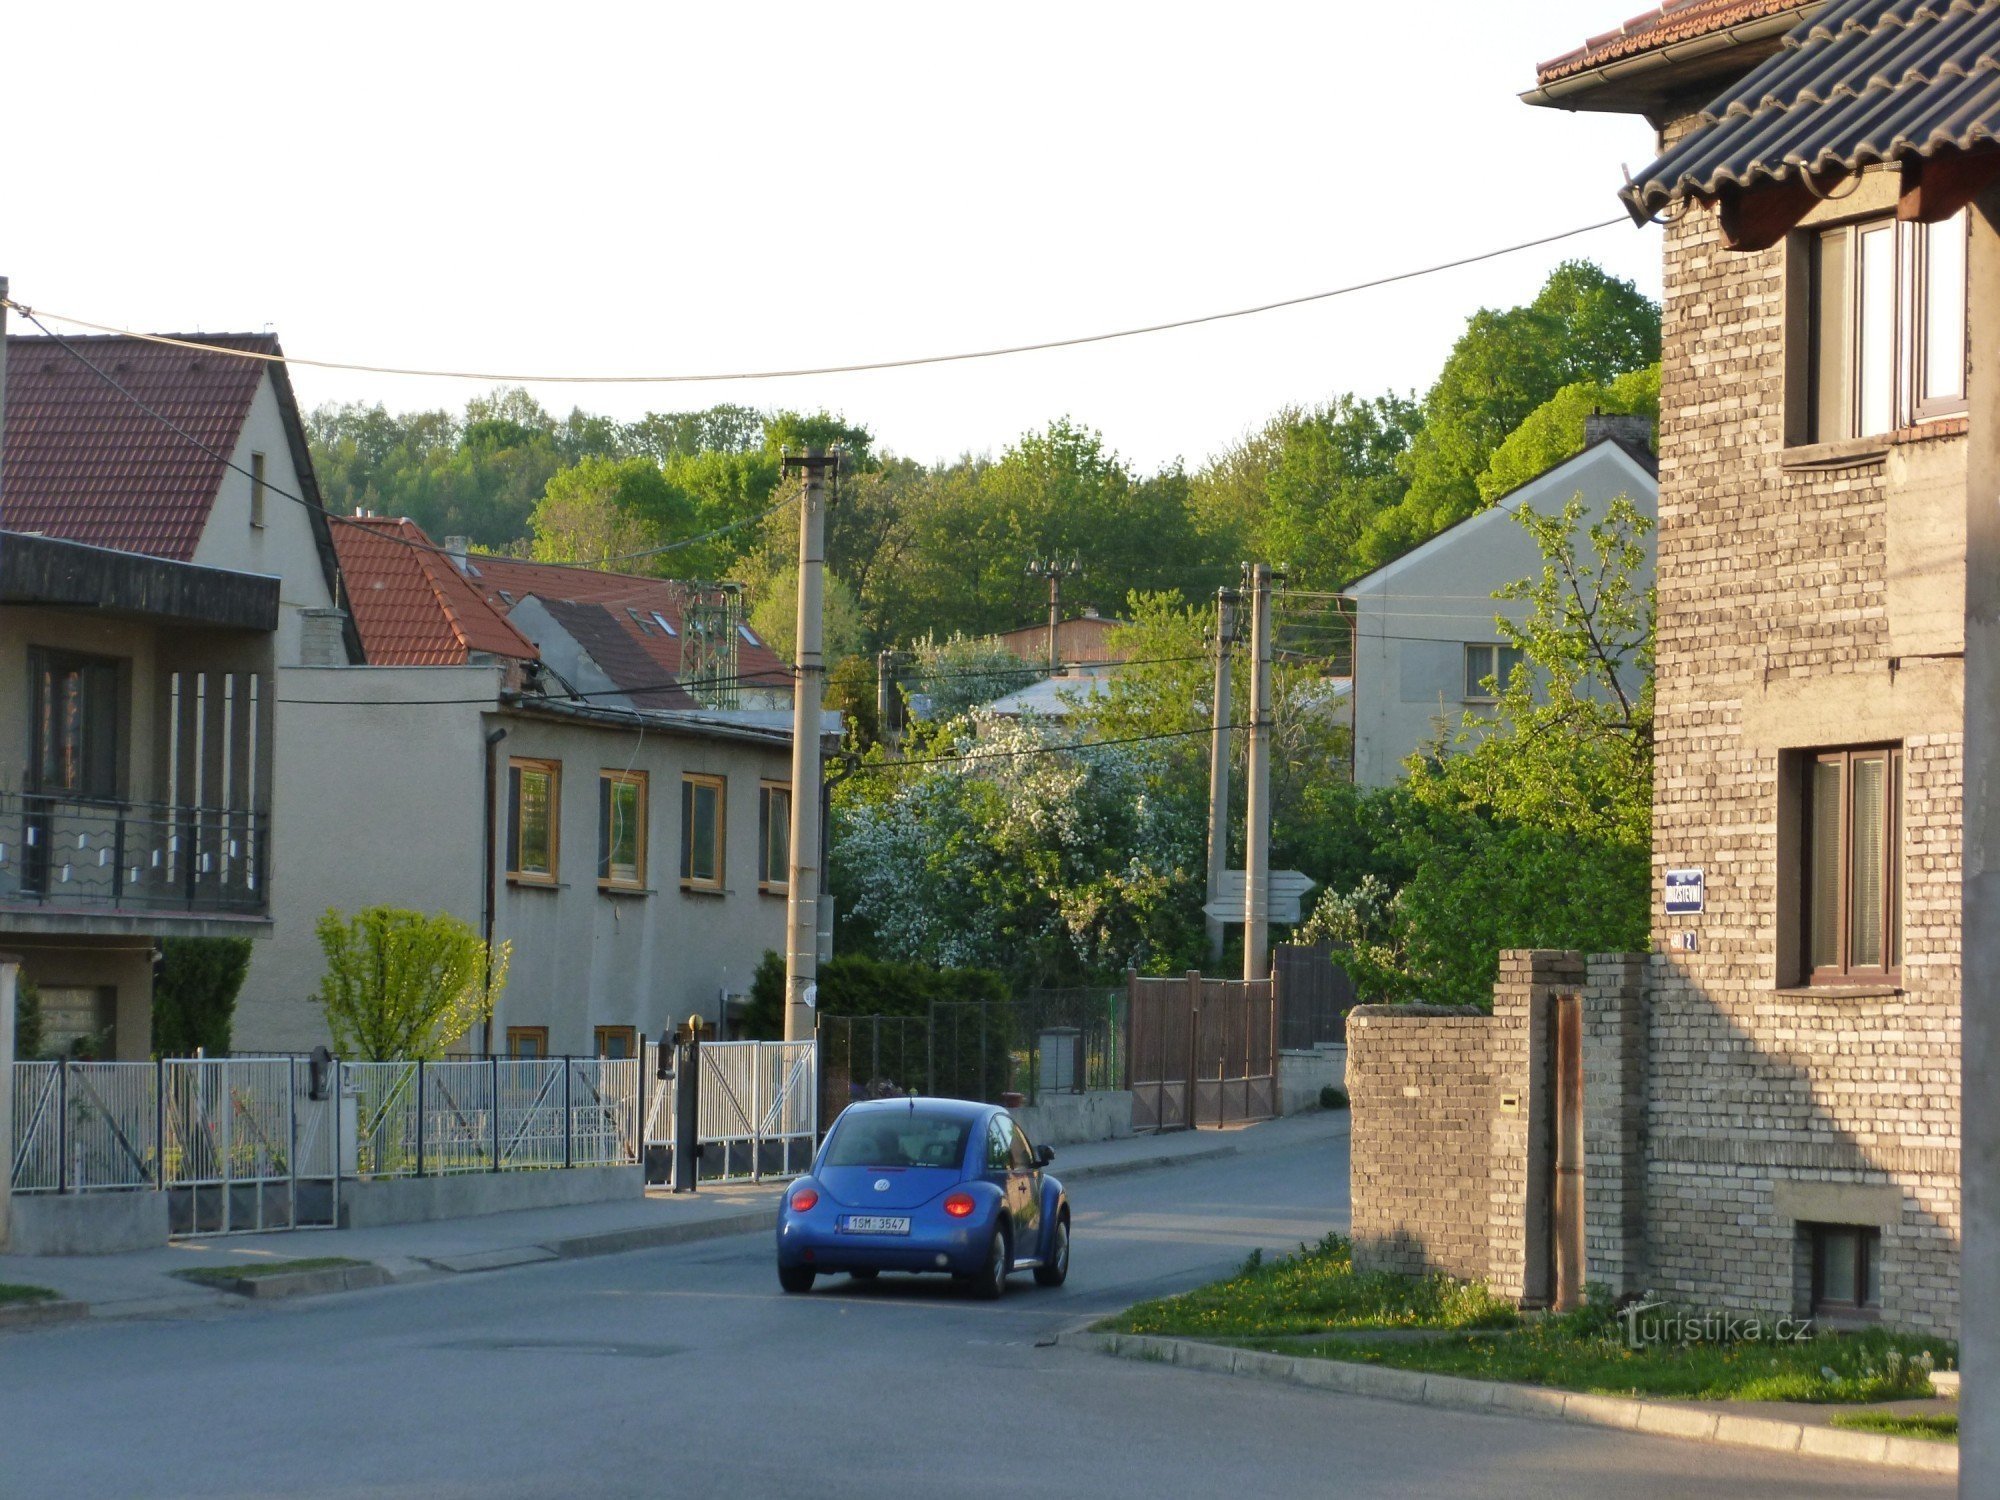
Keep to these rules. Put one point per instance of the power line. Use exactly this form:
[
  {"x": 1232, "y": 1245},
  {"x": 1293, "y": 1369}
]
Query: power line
[
  {"x": 907, "y": 362},
  {"x": 1129, "y": 739},
  {"x": 768, "y": 676}
]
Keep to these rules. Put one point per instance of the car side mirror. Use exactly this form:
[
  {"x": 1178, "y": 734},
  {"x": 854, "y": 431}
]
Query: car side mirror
[{"x": 1044, "y": 1155}]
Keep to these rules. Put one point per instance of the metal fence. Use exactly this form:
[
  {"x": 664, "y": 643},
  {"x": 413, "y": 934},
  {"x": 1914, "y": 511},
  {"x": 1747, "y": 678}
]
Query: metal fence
[
  {"x": 495, "y": 1114},
  {"x": 253, "y": 1143},
  {"x": 1315, "y": 995},
  {"x": 1068, "y": 1041},
  {"x": 756, "y": 1112},
  {"x": 1203, "y": 1051}
]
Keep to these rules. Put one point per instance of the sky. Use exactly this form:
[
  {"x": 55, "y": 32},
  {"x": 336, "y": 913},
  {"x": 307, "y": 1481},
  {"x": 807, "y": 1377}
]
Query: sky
[{"x": 596, "y": 188}]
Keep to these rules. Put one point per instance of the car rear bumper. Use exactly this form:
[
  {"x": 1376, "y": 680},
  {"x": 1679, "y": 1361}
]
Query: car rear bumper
[{"x": 815, "y": 1240}]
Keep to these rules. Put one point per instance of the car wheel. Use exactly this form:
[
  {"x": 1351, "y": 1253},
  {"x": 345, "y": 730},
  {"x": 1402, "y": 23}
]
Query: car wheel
[
  {"x": 796, "y": 1278},
  {"x": 991, "y": 1283},
  {"x": 865, "y": 1273},
  {"x": 1054, "y": 1271}
]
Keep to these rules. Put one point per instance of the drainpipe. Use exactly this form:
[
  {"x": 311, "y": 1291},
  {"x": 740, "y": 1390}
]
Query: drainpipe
[
  {"x": 10, "y": 972},
  {"x": 491, "y": 867}
]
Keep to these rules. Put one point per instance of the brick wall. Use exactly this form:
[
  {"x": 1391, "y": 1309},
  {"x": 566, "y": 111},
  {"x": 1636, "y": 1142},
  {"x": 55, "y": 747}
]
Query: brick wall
[
  {"x": 1451, "y": 1130},
  {"x": 1777, "y": 634},
  {"x": 1421, "y": 1092}
]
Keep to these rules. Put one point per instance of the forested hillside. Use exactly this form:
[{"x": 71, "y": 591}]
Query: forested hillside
[{"x": 1326, "y": 492}]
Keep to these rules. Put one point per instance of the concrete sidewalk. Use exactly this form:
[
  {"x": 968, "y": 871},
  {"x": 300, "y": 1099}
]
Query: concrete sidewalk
[{"x": 144, "y": 1283}]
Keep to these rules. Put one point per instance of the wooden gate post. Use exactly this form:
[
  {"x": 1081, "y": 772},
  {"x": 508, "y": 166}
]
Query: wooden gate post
[{"x": 1195, "y": 1037}]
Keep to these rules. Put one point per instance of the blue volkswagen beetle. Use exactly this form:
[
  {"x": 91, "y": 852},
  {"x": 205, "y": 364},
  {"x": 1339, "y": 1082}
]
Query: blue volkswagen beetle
[{"x": 925, "y": 1185}]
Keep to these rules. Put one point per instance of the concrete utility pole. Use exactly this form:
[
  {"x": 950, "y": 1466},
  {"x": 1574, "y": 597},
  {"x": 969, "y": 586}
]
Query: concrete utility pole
[
  {"x": 1055, "y": 571},
  {"x": 808, "y": 692},
  {"x": 1218, "y": 770},
  {"x": 1257, "y": 813},
  {"x": 888, "y": 705}
]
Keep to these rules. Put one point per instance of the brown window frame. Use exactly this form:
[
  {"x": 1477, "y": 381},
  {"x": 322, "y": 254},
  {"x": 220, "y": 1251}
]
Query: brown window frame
[
  {"x": 774, "y": 882},
  {"x": 689, "y": 880},
  {"x": 1867, "y": 1270},
  {"x": 258, "y": 487},
  {"x": 628, "y": 1034},
  {"x": 607, "y": 877},
  {"x": 516, "y": 766},
  {"x": 537, "y": 1034},
  {"x": 1847, "y": 972},
  {"x": 1910, "y": 402}
]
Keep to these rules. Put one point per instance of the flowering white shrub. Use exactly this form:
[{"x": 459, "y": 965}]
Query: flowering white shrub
[{"x": 1015, "y": 853}]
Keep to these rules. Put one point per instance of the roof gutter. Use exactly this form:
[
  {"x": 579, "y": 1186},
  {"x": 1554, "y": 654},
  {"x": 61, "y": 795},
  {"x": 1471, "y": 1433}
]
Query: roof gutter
[{"x": 1553, "y": 95}]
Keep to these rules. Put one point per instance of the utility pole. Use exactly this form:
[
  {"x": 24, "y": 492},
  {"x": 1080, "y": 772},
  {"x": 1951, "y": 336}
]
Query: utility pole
[
  {"x": 888, "y": 705},
  {"x": 808, "y": 692},
  {"x": 1055, "y": 571},
  {"x": 1257, "y": 812},
  {"x": 1218, "y": 770}
]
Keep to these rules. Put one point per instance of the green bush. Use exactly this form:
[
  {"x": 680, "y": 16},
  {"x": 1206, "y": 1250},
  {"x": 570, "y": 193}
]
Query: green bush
[
  {"x": 853, "y": 985},
  {"x": 27, "y": 1020},
  {"x": 194, "y": 998},
  {"x": 1332, "y": 1098}
]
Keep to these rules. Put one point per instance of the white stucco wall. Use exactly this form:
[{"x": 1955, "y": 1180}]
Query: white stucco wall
[
  {"x": 1415, "y": 616},
  {"x": 284, "y": 545},
  {"x": 383, "y": 806}
]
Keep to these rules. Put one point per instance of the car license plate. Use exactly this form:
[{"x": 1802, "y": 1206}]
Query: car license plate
[{"x": 874, "y": 1224}]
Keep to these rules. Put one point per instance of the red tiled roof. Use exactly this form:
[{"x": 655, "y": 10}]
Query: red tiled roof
[
  {"x": 83, "y": 462},
  {"x": 411, "y": 606},
  {"x": 1678, "y": 21},
  {"x": 631, "y": 600}
]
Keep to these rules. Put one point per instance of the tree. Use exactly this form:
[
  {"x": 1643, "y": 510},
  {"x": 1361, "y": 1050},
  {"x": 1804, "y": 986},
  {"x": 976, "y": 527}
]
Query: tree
[
  {"x": 1553, "y": 432},
  {"x": 194, "y": 997},
  {"x": 27, "y": 1019},
  {"x": 850, "y": 690},
  {"x": 963, "y": 672},
  {"x": 602, "y": 508},
  {"x": 1303, "y": 490},
  {"x": 400, "y": 984},
  {"x": 1583, "y": 325},
  {"x": 1003, "y": 849},
  {"x": 1533, "y": 829}
]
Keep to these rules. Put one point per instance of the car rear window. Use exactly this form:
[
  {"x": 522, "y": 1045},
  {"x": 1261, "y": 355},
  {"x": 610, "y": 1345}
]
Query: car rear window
[{"x": 898, "y": 1139}]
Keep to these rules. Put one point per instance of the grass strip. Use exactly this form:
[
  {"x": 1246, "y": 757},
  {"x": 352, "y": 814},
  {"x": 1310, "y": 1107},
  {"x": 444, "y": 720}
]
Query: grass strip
[
  {"x": 254, "y": 1270},
  {"x": 12, "y": 1292},
  {"x": 1937, "y": 1427},
  {"x": 1313, "y": 1291},
  {"x": 1315, "y": 1303}
]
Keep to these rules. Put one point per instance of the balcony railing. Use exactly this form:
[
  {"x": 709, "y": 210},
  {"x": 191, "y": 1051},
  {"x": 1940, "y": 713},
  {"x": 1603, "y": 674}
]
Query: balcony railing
[{"x": 68, "y": 852}]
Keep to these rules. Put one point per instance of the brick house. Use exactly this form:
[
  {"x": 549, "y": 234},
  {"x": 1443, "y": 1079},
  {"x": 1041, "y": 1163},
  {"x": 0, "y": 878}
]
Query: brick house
[
  {"x": 1764, "y": 1113},
  {"x": 1798, "y": 1120}
]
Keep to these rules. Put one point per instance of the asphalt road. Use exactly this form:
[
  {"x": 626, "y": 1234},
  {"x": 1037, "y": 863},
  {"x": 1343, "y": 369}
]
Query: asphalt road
[{"x": 687, "y": 1373}]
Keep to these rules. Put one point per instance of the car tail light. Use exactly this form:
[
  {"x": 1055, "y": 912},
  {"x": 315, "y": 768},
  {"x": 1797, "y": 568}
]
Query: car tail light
[
  {"x": 959, "y": 1205},
  {"x": 803, "y": 1199}
]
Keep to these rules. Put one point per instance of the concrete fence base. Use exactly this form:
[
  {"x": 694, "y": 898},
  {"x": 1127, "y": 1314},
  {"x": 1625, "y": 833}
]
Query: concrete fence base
[
  {"x": 87, "y": 1223},
  {"x": 372, "y": 1203},
  {"x": 1071, "y": 1119},
  {"x": 1304, "y": 1072}
]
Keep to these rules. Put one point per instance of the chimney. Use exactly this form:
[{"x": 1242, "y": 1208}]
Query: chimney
[
  {"x": 455, "y": 548},
  {"x": 322, "y": 638},
  {"x": 1633, "y": 430}
]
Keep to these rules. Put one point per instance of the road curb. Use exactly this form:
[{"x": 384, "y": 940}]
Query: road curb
[
  {"x": 41, "y": 1314},
  {"x": 1144, "y": 1164},
  {"x": 659, "y": 1236},
  {"x": 1654, "y": 1418}
]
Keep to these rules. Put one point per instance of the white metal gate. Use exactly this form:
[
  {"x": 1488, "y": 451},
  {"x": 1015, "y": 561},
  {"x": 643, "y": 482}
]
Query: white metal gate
[
  {"x": 245, "y": 1146},
  {"x": 758, "y": 1112}
]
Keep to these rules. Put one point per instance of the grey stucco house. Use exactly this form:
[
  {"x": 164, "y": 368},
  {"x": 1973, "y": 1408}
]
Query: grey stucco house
[
  {"x": 628, "y": 841},
  {"x": 1425, "y": 639}
]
